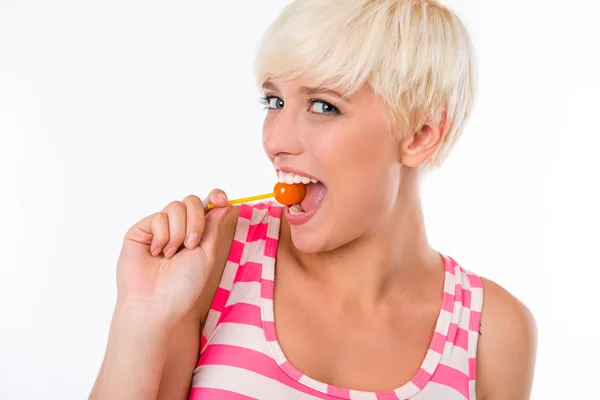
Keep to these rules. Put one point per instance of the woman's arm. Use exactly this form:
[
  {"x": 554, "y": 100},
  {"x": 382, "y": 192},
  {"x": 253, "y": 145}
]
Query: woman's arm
[
  {"x": 182, "y": 356},
  {"x": 135, "y": 354},
  {"x": 507, "y": 347},
  {"x": 149, "y": 356}
]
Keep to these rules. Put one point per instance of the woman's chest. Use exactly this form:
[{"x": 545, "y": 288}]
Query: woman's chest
[{"x": 376, "y": 352}]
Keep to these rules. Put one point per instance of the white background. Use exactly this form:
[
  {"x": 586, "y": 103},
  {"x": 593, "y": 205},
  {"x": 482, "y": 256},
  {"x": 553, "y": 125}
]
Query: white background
[{"x": 109, "y": 110}]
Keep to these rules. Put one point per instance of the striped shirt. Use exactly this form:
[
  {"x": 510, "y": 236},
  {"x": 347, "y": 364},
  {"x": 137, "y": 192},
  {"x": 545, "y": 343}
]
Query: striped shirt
[{"x": 240, "y": 357}]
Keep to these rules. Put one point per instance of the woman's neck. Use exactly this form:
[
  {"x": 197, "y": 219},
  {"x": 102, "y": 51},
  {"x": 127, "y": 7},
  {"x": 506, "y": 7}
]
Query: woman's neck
[{"x": 389, "y": 258}]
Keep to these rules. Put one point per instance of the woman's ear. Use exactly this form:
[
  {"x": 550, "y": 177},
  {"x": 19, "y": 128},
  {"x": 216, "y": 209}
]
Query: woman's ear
[{"x": 418, "y": 147}]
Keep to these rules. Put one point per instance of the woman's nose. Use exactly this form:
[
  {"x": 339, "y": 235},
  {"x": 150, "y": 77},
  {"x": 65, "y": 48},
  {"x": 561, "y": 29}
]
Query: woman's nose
[{"x": 280, "y": 134}]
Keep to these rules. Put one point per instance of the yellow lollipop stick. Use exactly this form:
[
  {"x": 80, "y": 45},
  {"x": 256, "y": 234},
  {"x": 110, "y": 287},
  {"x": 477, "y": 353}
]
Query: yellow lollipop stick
[{"x": 246, "y": 199}]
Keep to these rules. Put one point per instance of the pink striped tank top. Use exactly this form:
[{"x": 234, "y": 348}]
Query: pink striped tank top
[{"x": 240, "y": 357}]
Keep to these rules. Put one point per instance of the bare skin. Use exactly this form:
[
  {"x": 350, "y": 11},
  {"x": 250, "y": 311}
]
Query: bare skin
[
  {"x": 161, "y": 298},
  {"x": 361, "y": 265}
]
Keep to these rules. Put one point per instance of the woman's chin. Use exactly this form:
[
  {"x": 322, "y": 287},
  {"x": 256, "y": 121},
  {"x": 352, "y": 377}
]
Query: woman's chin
[
  {"x": 309, "y": 242},
  {"x": 322, "y": 240}
]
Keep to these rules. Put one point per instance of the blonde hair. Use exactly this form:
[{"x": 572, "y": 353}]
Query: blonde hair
[{"x": 416, "y": 54}]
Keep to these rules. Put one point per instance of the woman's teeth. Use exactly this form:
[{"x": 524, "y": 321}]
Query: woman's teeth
[
  {"x": 289, "y": 179},
  {"x": 296, "y": 209},
  {"x": 295, "y": 178}
]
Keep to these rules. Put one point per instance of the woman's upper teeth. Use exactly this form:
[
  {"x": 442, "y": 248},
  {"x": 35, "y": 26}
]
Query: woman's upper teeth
[{"x": 294, "y": 178}]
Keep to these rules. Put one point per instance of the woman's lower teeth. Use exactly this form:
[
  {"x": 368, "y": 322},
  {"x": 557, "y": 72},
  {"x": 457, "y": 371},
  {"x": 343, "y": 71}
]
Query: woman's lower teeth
[{"x": 296, "y": 209}]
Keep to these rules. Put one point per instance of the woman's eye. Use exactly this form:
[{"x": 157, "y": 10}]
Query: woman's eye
[
  {"x": 321, "y": 107},
  {"x": 274, "y": 102}
]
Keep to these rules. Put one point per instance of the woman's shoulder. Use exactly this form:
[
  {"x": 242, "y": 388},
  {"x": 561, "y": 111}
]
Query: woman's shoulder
[
  {"x": 504, "y": 311},
  {"x": 244, "y": 216},
  {"x": 261, "y": 212},
  {"x": 244, "y": 223},
  {"x": 256, "y": 221},
  {"x": 225, "y": 237},
  {"x": 507, "y": 344}
]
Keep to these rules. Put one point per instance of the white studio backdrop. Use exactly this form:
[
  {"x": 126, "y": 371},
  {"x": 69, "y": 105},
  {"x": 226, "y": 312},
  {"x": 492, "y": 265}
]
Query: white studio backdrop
[{"x": 110, "y": 110}]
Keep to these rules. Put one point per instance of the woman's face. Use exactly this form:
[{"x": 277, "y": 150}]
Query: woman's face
[{"x": 346, "y": 145}]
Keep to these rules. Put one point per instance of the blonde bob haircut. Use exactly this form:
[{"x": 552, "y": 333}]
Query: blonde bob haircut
[{"x": 416, "y": 54}]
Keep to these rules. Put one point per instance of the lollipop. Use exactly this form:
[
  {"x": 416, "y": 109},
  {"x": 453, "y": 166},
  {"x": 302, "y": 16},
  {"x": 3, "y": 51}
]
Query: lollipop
[
  {"x": 289, "y": 194},
  {"x": 284, "y": 193}
]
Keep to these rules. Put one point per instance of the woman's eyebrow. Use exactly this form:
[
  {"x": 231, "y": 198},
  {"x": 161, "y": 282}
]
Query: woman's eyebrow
[
  {"x": 311, "y": 91},
  {"x": 269, "y": 86},
  {"x": 308, "y": 90}
]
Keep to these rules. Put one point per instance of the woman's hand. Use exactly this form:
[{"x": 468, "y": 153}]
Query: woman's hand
[
  {"x": 166, "y": 257},
  {"x": 162, "y": 269}
]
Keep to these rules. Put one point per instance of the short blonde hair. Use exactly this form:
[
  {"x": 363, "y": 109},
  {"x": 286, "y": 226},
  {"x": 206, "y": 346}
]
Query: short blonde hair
[{"x": 416, "y": 54}]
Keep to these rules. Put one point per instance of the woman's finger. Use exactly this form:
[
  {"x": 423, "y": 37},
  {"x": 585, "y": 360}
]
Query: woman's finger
[
  {"x": 195, "y": 221},
  {"x": 177, "y": 213},
  {"x": 216, "y": 197},
  {"x": 159, "y": 228}
]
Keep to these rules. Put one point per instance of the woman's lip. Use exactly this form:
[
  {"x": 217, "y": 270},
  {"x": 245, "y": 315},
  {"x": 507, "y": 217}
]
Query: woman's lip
[{"x": 300, "y": 219}]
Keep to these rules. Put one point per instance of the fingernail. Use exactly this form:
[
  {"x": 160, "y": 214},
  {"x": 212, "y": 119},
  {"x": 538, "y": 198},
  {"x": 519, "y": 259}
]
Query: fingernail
[
  {"x": 192, "y": 239},
  {"x": 221, "y": 197},
  {"x": 170, "y": 252}
]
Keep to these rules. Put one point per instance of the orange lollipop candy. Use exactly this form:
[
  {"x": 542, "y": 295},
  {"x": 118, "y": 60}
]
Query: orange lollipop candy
[
  {"x": 285, "y": 193},
  {"x": 289, "y": 194}
]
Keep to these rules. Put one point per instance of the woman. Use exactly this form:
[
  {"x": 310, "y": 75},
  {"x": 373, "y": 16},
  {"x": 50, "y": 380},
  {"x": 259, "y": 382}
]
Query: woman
[{"x": 340, "y": 296}]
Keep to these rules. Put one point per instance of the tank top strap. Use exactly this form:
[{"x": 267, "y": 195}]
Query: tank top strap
[
  {"x": 256, "y": 235},
  {"x": 458, "y": 361}
]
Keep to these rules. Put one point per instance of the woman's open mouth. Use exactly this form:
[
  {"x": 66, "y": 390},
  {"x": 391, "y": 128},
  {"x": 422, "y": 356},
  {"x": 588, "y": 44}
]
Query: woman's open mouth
[{"x": 316, "y": 190}]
